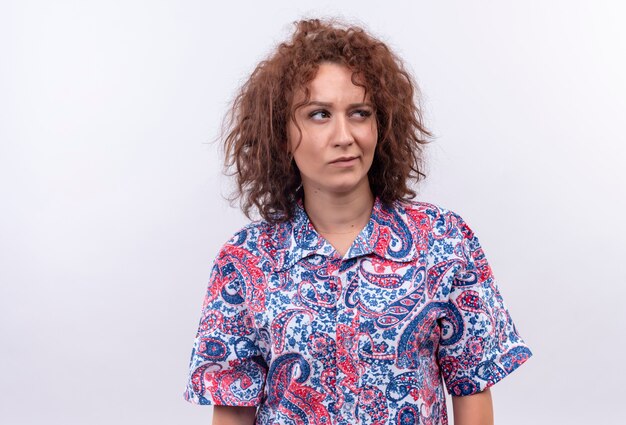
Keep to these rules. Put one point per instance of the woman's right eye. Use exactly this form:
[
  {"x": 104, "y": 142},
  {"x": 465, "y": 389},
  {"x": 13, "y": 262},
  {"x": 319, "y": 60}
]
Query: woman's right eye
[{"x": 319, "y": 114}]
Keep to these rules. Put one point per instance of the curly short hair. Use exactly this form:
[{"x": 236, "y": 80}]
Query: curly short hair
[{"x": 255, "y": 130}]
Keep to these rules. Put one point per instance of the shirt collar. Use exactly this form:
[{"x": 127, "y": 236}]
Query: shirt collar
[{"x": 386, "y": 235}]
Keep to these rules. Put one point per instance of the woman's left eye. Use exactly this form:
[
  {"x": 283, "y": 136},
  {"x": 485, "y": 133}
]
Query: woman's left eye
[{"x": 362, "y": 113}]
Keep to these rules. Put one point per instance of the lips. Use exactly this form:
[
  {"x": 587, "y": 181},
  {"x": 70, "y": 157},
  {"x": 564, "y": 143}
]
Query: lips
[{"x": 344, "y": 160}]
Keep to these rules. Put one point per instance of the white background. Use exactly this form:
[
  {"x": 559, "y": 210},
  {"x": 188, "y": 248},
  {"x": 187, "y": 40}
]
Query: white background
[{"x": 111, "y": 209}]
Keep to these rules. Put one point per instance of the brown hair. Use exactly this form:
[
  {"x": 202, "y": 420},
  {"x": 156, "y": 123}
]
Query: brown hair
[{"x": 256, "y": 144}]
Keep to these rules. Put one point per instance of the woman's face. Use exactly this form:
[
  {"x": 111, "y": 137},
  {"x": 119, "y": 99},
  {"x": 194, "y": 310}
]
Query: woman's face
[{"x": 339, "y": 133}]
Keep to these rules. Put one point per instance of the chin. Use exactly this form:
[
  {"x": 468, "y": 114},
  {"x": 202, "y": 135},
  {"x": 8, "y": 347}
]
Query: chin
[{"x": 345, "y": 187}]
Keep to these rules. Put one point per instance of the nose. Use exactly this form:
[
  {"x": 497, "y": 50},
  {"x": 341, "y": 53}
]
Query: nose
[{"x": 343, "y": 132}]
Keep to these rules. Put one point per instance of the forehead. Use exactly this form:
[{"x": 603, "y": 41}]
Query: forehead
[{"x": 334, "y": 83}]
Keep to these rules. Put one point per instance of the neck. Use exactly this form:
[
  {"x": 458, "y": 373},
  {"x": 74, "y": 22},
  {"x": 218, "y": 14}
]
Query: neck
[{"x": 339, "y": 214}]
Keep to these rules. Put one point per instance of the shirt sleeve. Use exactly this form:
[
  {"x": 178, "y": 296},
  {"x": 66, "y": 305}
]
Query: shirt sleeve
[
  {"x": 226, "y": 366},
  {"x": 489, "y": 347}
]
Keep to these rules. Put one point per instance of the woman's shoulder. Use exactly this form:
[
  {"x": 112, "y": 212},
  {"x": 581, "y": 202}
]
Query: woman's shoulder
[
  {"x": 258, "y": 238},
  {"x": 435, "y": 219},
  {"x": 412, "y": 207}
]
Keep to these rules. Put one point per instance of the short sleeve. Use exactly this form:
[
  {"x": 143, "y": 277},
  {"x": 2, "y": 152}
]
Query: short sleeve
[
  {"x": 226, "y": 366},
  {"x": 488, "y": 346}
]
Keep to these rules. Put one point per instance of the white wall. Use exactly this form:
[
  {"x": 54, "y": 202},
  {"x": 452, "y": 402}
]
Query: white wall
[{"x": 111, "y": 212}]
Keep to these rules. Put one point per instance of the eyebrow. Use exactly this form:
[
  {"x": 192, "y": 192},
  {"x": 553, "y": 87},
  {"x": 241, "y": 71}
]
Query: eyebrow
[{"x": 328, "y": 105}]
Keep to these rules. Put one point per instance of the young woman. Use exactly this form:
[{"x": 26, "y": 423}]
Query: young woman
[{"x": 348, "y": 303}]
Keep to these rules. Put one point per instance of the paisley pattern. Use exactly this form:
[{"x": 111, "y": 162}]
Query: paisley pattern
[{"x": 368, "y": 338}]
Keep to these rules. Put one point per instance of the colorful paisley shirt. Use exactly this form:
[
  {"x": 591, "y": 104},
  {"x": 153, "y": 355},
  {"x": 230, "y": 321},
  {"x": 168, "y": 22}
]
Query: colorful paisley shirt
[{"x": 313, "y": 338}]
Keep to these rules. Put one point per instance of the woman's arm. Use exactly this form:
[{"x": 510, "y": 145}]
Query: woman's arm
[
  {"x": 233, "y": 415},
  {"x": 475, "y": 409}
]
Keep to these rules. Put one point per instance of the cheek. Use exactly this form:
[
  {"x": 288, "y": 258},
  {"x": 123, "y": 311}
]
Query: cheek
[
  {"x": 371, "y": 140},
  {"x": 305, "y": 155},
  {"x": 308, "y": 146},
  {"x": 293, "y": 137}
]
